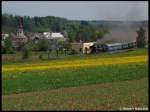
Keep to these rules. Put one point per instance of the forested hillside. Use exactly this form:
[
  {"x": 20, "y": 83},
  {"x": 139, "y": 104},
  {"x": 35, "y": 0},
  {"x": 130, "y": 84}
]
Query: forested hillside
[
  {"x": 75, "y": 30},
  {"x": 34, "y": 24}
]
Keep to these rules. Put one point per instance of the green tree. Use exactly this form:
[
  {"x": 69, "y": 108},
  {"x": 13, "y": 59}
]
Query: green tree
[
  {"x": 26, "y": 51},
  {"x": 90, "y": 33},
  {"x": 8, "y": 45},
  {"x": 76, "y": 30},
  {"x": 73, "y": 32},
  {"x": 43, "y": 44},
  {"x": 141, "y": 38}
]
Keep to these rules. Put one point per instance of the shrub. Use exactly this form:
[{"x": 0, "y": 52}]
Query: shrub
[
  {"x": 26, "y": 52},
  {"x": 8, "y": 45},
  {"x": 43, "y": 44},
  {"x": 141, "y": 38},
  {"x": 40, "y": 56}
]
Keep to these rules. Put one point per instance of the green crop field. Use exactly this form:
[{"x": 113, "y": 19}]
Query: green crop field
[{"x": 107, "y": 81}]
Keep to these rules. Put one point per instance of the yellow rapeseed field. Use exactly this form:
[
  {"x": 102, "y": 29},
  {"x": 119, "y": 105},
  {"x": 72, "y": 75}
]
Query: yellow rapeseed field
[{"x": 74, "y": 63}]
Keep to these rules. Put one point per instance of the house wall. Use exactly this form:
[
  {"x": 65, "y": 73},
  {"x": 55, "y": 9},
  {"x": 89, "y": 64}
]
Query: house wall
[
  {"x": 86, "y": 47},
  {"x": 78, "y": 47}
]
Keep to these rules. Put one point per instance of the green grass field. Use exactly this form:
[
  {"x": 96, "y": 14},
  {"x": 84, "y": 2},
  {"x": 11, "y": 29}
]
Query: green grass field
[
  {"x": 72, "y": 85},
  {"x": 16, "y": 58}
]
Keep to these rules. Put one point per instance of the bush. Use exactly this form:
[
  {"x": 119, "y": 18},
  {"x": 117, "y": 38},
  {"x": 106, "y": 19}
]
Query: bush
[
  {"x": 26, "y": 52},
  {"x": 40, "y": 56},
  {"x": 43, "y": 44},
  {"x": 72, "y": 52},
  {"x": 141, "y": 38},
  {"x": 8, "y": 45}
]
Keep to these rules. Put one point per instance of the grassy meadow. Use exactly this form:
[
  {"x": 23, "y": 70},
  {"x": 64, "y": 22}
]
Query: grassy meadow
[{"x": 106, "y": 81}]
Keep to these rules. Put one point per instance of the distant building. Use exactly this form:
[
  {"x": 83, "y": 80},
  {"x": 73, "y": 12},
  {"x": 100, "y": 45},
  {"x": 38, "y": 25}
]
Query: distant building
[
  {"x": 19, "y": 38},
  {"x": 51, "y": 35},
  {"x": 77, "y": 47},
  {"x": 4, "y": 36},
  {"x": 85, "y": 48},
  {"x": 89, "y": 47}
]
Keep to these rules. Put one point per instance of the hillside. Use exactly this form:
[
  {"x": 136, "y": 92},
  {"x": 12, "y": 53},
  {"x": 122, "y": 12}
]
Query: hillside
[
  {"x": 77, "y": 30},
  {"x": 37, "y": 24}
]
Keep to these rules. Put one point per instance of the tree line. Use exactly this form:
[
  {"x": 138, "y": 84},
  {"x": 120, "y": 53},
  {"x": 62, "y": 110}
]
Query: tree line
[{"x": 74, "y": 30}]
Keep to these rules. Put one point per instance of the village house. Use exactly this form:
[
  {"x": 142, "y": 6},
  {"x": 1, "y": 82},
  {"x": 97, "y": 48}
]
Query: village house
[
  {"x": 89, "y": 47},
  {"x": 53, "y": 38},
  {"x": 85, "y": 48},
  {"x": 4, "y": 36},
  {"x": 49, "y": 35},
  {"x": 77, "y": 47},
  {"x": 52, "y": 35}
]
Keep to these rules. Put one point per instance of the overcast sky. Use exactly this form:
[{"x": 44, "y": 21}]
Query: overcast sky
[{"x": 80, "y": 10}]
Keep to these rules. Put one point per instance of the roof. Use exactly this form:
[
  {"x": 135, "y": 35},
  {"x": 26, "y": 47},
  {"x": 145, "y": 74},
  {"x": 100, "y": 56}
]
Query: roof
[
  {"x": 115, "y": 44},
  {"x": 53, "y": 35},
  {"x": 88, "y": 44},
  {"x": 75, "y": 43}
]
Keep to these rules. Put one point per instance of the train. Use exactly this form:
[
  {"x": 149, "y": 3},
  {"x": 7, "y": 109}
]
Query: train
[
  {"x": 117, "y": 46},
  {"x": 93, "y": 47}
]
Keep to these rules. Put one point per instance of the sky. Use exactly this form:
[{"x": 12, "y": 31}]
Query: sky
[{"x": 80, "y": 10}]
